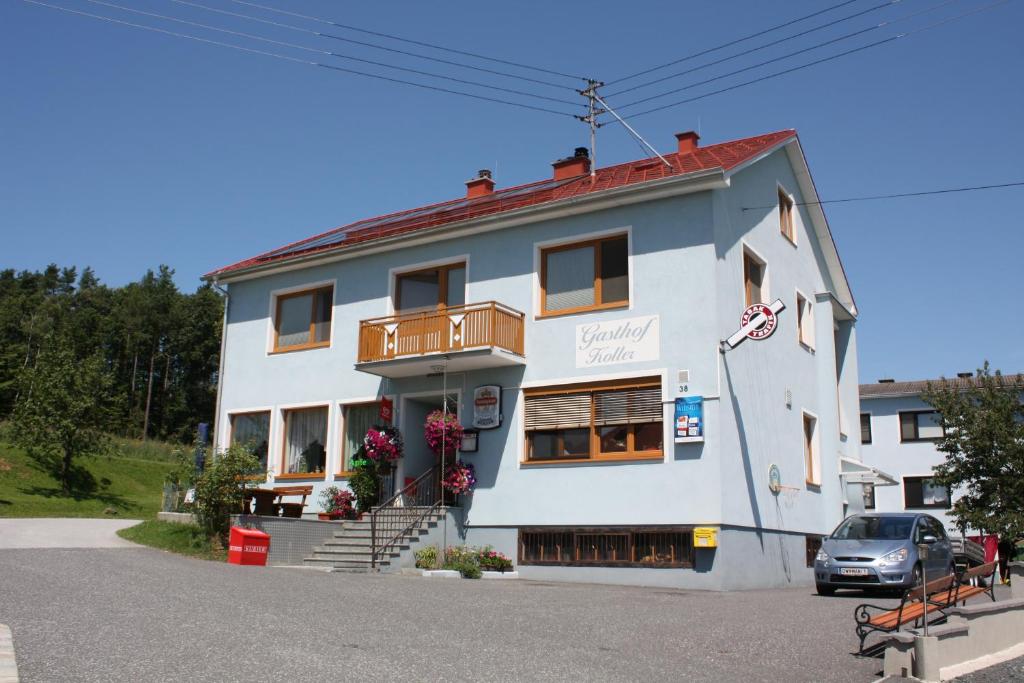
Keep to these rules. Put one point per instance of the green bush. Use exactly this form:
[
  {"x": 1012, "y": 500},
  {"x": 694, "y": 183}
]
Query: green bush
[
  {"x": 426, "y": 558},
  {"x": 365, "y": 482},
  {"x": 220, "y": 490},
  {"x": 463, "y": 559}
]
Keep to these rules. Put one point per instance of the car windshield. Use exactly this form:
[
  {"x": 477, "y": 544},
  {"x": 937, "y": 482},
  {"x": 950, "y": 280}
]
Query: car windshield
[{"x": 874, "y": 529}]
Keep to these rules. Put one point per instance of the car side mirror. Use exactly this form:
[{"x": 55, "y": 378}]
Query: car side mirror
[{"x": 929, "y": 539}]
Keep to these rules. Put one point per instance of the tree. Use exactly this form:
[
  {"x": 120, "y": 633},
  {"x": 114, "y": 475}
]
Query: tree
[
  {"x": 983, "y": 423},
  {"x": 62, "y": 412},
  {"x": 220, "y": 490}
]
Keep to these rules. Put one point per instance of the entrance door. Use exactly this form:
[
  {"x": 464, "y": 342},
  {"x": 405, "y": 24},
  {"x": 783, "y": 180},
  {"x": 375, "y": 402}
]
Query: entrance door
[{"x": 418, "y": 457}]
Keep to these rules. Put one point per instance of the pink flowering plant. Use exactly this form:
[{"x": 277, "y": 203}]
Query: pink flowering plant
[
  {"x": 459, "y": 477},
  {"x": 383, "y": 444},
  {"x": 443, "y": 430},
  {"x": 338, "y": 503},
  {"x": 492, "y": 561}
]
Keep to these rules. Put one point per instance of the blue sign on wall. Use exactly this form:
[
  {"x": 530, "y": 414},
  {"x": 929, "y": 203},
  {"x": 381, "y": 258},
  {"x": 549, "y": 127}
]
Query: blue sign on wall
[{"x": 689, "y": 419}]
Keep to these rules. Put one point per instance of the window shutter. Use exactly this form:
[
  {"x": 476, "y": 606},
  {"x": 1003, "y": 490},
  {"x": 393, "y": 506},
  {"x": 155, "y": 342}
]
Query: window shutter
[
  {"x": 629, "y": 406},
  {"x": 558, "y": 411}
]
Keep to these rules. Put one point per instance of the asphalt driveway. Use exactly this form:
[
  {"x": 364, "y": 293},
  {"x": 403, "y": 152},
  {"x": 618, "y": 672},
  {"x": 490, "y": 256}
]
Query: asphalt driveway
[
  {"x": 64, "y": 533},
  {"x": 145, "y": 615}
]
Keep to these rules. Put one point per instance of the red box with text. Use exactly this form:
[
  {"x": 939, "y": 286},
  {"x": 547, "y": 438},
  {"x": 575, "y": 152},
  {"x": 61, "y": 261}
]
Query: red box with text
[{"x": 248, "y": 546}]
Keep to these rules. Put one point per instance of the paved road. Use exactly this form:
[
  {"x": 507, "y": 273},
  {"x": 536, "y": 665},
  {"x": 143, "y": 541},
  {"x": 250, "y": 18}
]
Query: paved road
[
  {"x": 146, "y": 615},
  {"x": 64, "y": 533}
]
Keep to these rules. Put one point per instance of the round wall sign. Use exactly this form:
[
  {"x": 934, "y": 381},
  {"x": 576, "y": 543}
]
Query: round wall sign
[
  {"x": 761, "y": 320},
  {"x": 774, "y": 479}
]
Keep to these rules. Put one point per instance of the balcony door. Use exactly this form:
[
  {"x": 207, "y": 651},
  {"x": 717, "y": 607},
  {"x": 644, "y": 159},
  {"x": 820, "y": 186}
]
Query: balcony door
[{"x": 432, "y": 289}]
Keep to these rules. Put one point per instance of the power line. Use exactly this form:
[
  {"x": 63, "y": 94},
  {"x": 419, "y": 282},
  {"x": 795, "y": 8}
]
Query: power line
[
  {"x": 752, "y": 50},
  {"x": 817, "y": 61},
  {"x": 413, "y": 42},
  {"x": 725, "y": 45},
  {"x": 894, "y": 196},
  {"x": 305, "y": 48},
  {"x": 766, "y": 62},
  {"x": 295, "y": 60},
  {"x": 372, "y": 45}
]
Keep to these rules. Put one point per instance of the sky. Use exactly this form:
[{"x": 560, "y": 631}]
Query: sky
[{"x": 122, "y": 149}]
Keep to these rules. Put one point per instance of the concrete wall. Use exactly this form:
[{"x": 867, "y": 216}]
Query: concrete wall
[{"x": 686, "y": 266}]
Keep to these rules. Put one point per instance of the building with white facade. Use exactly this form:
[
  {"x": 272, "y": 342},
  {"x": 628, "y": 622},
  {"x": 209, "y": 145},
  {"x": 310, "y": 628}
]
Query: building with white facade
[{"x": 592, "y": 302}]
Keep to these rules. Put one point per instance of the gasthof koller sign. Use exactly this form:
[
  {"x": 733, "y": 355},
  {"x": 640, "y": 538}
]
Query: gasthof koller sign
[{"x": 617, "y": 341}]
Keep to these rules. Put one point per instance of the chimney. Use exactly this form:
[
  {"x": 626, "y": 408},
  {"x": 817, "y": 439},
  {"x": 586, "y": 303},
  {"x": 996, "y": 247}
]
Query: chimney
[
  {"x": 965, "y": 375},
  {"x": 886, "y": 380},
  {"x": 576, "y": 165},
  {"x": 687, "y": 141},
  {"x": 481, "y": 186}
]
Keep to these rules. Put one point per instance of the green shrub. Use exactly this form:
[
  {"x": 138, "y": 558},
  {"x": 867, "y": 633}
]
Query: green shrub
[
  {"x": 220, "y": 490},
  {"x": 463, "y": 559},
  {"x": 365, "y": 482},
  {"x": 426, "y": 558}
]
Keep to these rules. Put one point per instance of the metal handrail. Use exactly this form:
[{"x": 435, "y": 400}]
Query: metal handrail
[{"x": 403, "y": 511}]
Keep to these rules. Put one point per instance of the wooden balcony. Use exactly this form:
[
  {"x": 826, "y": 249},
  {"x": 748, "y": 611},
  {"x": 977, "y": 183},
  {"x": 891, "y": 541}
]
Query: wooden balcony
[{"x": 472, "y": 337}]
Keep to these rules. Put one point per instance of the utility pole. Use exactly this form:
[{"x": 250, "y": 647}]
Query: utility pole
[{"x": 593, "y": 111}]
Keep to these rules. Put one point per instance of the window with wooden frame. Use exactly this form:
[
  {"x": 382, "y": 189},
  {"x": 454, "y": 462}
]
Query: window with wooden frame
[
  {"x": 606, "y": 547},
  {"x": 786, "y": 216},
  {"x": 431, "y": 289},
  {"x": 252, "y": 430},
  {"x": 812, "y": 460},
  {"x": 753, "y": 279},
  {"x": 302, "y": 320},
  {"x": 924, "y": 492},
  {"x": 304, "y": 443},
  {"x": 865, "y": 428},
  {"x": 804, "y": 321},
  {"x": 920, "y": 425},
  {"x": 356, "y": 421},
  {"x": 584, "y": 276},
  {"x": 608, "y": 421}
]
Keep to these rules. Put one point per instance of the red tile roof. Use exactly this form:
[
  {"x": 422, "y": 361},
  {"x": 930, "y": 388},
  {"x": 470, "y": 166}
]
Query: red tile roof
[{"x": 726, "y": 155}]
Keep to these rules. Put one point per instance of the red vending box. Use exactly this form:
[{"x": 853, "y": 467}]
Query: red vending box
[{"x": 248, "y": 546}]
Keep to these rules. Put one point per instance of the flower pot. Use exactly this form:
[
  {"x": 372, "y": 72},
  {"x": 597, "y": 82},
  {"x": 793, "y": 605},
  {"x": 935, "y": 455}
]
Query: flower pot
[{"x": 323, "y": 516}]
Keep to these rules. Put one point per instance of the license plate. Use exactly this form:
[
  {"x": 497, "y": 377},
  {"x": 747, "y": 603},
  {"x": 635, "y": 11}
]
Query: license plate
[{"x": 853, "y": 571}]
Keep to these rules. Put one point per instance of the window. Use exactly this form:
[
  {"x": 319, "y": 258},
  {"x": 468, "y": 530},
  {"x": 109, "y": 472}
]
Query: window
[
  {"x": 811, "y": 459},
  {"x": 869, "y": 496},
  {"x": 786, "y": 216},
  {"x": 753, "y": 279},
  {"x": 924, "y": 492},
  {"x": 252, "y": 430},
  {"x": 804, "y": 321},
  {"x": 305, "y": 433},
  {"x": 812, "y": 545},
  {"x": 585, "y": 276},
  {"x": 605, "y": 422},
  {"x": 616, "y": 547},
  {"x": 920, "y": 425},
  {"x": 357, "y": 419},
  {"x": 865, "y": 427},
  {"x": 303, "y": 320},
  {"x": 431, "y": 289}
]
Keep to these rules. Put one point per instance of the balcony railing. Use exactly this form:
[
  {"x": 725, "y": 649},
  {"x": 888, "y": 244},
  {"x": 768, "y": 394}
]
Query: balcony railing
[{"x": 455, "y": 328}]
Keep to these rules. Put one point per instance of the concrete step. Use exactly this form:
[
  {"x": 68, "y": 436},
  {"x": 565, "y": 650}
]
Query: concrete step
[{"x": 344, "y": 564}]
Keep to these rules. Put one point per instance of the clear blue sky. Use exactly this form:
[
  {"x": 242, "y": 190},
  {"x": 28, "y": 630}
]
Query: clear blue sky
[{"x": 123, "y": 149}]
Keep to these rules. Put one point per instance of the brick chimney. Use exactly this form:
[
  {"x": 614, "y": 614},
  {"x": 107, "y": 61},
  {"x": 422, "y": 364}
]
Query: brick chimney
[
  {"x": 481, "y": 186},
  {"x": 687, "y": 141},
  {"x": 576, "y": 165}
]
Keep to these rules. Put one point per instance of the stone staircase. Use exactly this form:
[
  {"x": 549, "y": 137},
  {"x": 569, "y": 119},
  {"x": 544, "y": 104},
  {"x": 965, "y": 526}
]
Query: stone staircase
[{"x": 350, "y": 549}]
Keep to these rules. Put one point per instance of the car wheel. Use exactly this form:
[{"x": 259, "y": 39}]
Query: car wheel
[
  {"x": 915, "y": 576},
  {"x": 826, "y": 590}
]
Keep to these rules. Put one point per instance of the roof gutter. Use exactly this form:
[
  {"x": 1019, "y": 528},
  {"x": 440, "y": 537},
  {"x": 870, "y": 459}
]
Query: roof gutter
[{"x": 701, "y": 181}]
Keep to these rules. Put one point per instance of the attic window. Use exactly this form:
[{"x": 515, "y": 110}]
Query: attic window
[{"x": 786, "y": 216}]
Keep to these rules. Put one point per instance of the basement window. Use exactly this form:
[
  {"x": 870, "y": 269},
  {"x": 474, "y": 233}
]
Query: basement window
[{"x": 606, "y": 547}]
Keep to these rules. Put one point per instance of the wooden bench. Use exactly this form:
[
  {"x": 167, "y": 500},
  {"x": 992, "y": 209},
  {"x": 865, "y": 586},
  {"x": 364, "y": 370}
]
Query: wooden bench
[
  {"x": 936, "y": 596},
  {"x": 973, "y": 582},
  {"x": 292, "y": 509}
]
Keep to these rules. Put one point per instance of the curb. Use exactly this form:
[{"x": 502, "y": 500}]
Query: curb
[{"x": 8, "y": 665}]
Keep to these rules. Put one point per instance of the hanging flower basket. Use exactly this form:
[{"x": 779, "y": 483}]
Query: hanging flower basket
[
  {"x": 459, "y": 477},
  {"x": 442, "y": 430},
  {"x": 383, "y": 444}
]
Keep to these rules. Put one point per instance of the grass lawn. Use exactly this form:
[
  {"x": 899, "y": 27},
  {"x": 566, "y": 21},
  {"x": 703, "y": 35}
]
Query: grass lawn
[
  {"x": 130, "y": 486},
  {"x": 184, "y": 539}
]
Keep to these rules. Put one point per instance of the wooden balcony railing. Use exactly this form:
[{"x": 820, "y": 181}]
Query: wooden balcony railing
[{"x": 456, "y": 328}]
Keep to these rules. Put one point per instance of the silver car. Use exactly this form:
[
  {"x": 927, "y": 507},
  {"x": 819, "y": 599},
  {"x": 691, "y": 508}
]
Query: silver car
[{"x": 880, "y": 551}]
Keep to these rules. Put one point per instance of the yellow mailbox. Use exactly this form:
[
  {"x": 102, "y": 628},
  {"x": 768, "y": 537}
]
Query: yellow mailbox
[{"x": 705, "y": 537}]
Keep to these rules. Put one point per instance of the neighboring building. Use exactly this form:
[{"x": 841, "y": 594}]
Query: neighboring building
[
  {"x": 898, "y": 433},
  {"x": 593, "y": 302}
]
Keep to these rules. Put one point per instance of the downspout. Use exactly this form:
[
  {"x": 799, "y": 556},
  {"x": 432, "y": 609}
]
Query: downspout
[{"x": 220, "y": 364}]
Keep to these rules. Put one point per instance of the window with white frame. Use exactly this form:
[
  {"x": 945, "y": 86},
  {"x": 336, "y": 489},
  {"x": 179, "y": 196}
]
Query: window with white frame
[{"x": 305, "y": 439}]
